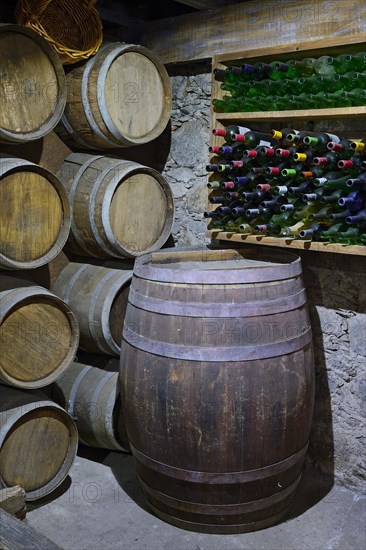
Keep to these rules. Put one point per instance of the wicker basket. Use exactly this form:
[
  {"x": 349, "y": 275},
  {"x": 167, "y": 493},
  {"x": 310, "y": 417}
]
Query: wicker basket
[{"x": 72, "y": 27}]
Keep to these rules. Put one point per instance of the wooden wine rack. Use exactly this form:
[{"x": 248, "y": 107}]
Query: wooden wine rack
[{"x": 352, "y": 121}]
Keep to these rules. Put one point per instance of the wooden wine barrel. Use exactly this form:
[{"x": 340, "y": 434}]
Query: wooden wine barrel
[
  {"x": 35, "y": 221},
  {"x": 120, "y": 208},
  {"x": 92, "y": 397},
  {"x": 39, "y": 334},
  {"x": 38, "y": 442},
  {"x": 217, "y": 385},
  {"x": 121, "y": 97},
  {"x": 33, "y": 85},
  {"x": 98, "y": 297}
]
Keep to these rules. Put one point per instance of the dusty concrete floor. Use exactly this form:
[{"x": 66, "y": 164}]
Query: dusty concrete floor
[{"x": 101, "y": 506}]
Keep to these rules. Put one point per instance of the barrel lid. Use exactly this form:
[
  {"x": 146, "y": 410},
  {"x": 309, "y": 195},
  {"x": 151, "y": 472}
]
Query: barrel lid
[{"x": 208, "y": 265}]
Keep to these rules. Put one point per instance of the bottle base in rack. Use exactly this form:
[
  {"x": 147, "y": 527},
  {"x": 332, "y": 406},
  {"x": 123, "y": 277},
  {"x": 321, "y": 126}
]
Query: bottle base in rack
[{"x": 291, "y": 188}]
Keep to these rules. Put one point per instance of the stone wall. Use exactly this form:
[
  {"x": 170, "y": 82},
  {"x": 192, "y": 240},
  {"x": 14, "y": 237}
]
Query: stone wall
[{"x": 335, "y": 285}]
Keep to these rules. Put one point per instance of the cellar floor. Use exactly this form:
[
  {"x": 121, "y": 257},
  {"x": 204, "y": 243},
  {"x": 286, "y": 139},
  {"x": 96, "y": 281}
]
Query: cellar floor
[{"x": 101, "y": 506}]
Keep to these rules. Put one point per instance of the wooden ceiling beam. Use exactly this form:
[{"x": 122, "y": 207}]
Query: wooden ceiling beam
[{"x": 252, "y": 25}]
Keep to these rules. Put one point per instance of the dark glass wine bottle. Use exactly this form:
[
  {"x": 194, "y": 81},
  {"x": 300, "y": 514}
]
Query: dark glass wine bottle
[
  {"x": 253, "y": 138},
  {"x": 229, "y": 131},
  {"x": 354, "y": 201},
  {"x": 359, "y": 217},
  {"x": 320, "y": 141},
  {"x": 313, "y": 231}
]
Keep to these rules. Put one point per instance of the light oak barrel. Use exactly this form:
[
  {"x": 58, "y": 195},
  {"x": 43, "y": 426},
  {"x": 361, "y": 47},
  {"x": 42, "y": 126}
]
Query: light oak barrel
[
  {"x": 217, "y": 385},
  {"x": 39, "y": 334},
  {"x": 32, "y": 85},
  {"x": 36, "y": 219},
  {"x": 98, "y": 297},
  {"x": 119, "y": 208},
  {"x": 38, "y": 442},
  {"x": 120, "y": 97},
  {"x": 92, "y": 398}
]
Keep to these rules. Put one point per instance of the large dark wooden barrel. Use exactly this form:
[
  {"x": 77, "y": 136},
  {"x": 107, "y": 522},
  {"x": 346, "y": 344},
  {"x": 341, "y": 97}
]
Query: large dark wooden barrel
[
  {"x": 217, "y": 385},
  {"x": 121, "y": 97},
  {"x": 38, "y": 442},
  {"x": 32, "y": 86},
  {"x": 39, "y": 334},
  {"x": 120, "y": 208},
  {"x": 92, "y": 397},
  {"x": 35, "y": 214},
  {"x": 98, "y": 297}
]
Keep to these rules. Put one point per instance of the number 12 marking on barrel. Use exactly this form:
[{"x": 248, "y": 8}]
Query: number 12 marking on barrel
[{"x": 131, "y": 92}]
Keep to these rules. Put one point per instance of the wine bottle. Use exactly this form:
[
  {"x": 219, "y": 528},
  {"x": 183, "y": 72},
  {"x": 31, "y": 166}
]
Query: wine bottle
[
  {"x": 267, "y": 229},
  {"x": 304, "y": 187},
  {"x": 320, "y": 141},
  {"x": 283, "y": 219},
  {"x": 258, "y": 211},
  {"x": 297, "y": 138},
  {"x": 292, "y": 205},
  {"x": 332, "y": 231},
  {"x": 219, "y": 199},
  {"x": 292, "y": 230},
  {"x": 354, "y": 201},
  {"x": 213, "y": 185},
  {"x": 342, "y": 215},
  {"x": 358, "y": 146},
  {"x": 292, "y": 172},
  {"x": 281, "y": 136},
  {"x": 333, "y": 197},
  {"x": 314, "y": 195},
  {"x": 306, "y": 157},
  {"x": 359, "y": 180},
  {"x": 328, "y": 159},
  {"x": 360, "y": 216},
  {"x": 322, "y": 214},
  {"x": 306, "y": 211},
  {"x": 349, "y": 164},
  {"x": 339, "y": 183},
  {"x": 229, "y": 131},
  {"x": 313, "y": 231},
  {"x": 350, "y": 236},
  {"x": 253, "y": 138},
  {"x": 340, "y": 64},
  {"x": 343, "y": 147},
  {"x": 294, "y": 68},
  {"x": 233, "y": 151},
  {"x": 254, "y": 197},
  {"x": 312, "y": 172},
  {"x": 214, "y": 214}
]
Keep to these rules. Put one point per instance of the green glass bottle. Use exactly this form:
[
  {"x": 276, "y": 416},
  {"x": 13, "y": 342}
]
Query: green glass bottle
[
  {"x": 307, "y": 211},
  {"x": 339, "y": 183},
  {"x": 351, "y": 236},
  {"x": 355, "y": 97},
  {"x": 332, "y": 231},
  {"x": 294, "y": 68},
  {"x": 283, "y": 219},
  {"x": 340, "y": 64}
]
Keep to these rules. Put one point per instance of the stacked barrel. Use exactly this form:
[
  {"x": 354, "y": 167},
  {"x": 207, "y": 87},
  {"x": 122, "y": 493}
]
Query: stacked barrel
[{"x": 84, "y": 222}]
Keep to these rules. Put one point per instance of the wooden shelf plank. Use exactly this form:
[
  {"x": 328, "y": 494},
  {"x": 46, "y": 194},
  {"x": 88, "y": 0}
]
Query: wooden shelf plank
[
  {"x": 295, "y": 244},
  {"x": 303, "y": 114}
]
